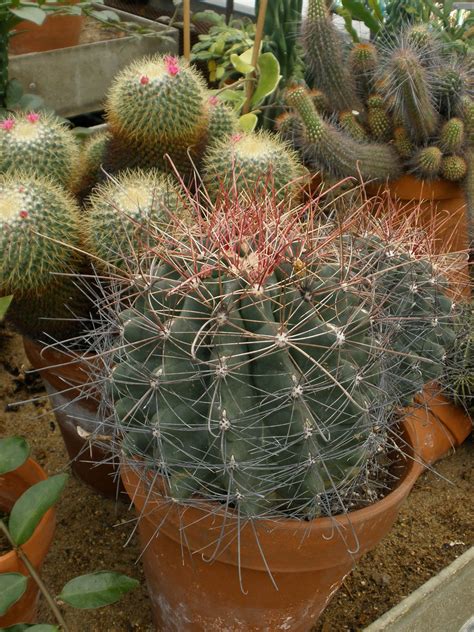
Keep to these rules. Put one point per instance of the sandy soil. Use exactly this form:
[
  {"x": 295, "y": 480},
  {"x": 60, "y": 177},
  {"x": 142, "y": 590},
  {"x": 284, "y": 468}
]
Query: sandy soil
[{"x": 435, "y": 526}]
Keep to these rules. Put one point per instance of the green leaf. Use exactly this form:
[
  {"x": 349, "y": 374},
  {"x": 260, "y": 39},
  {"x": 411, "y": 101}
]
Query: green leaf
[
  {"x": 377, "y": 9},
  {"x": 12, "y": 587},
  {"x": 268, "y": 77},
  {"x": 32, "y": 505},
  {"x": 96, "y": 590},
  {"x": 4, "y": 305},
  {"x": 31, "y": 14},
  {"x": 347, "y": 16},
  {"x": 248, "y": 122},
  {"x": 13, "y": 452},
  {"x": 240, "y": 64},
  {"x": 360, "y": 12}
]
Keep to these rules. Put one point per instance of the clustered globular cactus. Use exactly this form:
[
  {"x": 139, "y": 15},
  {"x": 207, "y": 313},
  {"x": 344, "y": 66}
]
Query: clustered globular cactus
[
  {"x": 255, "y": 366},
  {"x": 408, "y": 91},
  {"x": 39, "y": 143}
]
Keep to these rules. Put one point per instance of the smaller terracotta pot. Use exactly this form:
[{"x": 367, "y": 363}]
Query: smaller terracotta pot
[
  {"x": 12, "y": 486},
  {"x": 308, "y": 560},
  {"x": 445, "y": 425},
  {"x": 65, "y": 378},
  {"x": 57, "y": 31}
]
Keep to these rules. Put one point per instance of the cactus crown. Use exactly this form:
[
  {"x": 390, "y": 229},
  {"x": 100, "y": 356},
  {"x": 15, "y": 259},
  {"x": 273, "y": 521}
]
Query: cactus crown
[{"x": 256, "y": 363}]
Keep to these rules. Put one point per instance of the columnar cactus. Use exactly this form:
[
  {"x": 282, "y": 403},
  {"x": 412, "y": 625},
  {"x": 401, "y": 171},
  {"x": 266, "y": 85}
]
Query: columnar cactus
[
  {"x": 427, "y": 162},
  {"x": 363, "y": 60},
  {"x": 322, "y": 42},
  {"x": 325, "y": 147},
  {"x": 122, "y": 212},
  {"x": 258, "y": 367},
  {"x": 40, "y": 144}
]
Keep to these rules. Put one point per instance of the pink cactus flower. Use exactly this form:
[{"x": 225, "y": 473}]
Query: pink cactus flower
[
  {"x": 33, "y": 117},
  {"x": 144, "y": 80},
  {"x": 213, "y": 100},
  {"x": 23, "y": 214},
  {"x": 7, "y": 124},
  {"x": 172, "y": 66},
  {"x": 236, "y": 137}
]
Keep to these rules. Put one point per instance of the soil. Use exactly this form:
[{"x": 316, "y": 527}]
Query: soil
[
  {"x": 94, "y": 31},
  {"x": 435, "y": 526}
]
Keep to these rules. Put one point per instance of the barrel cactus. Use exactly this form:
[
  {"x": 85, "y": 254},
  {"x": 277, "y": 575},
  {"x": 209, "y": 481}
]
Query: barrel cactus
[
  {"x": 259, "y": 364},
  {"x": 41, "y": 144},
  {"x": 122, "y": 212}
]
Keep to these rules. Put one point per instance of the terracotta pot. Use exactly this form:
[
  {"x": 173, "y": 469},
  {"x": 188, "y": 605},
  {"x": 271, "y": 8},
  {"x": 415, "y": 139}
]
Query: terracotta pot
[
  {"x": 308, "y": 560},
  {"x": 442, "y": 209},
  {"x": 445, "y": 426},
  {"x": 12, "y": 486},
  {"x": 57, "y": 31},
  {"x": 65, "y": 376}
]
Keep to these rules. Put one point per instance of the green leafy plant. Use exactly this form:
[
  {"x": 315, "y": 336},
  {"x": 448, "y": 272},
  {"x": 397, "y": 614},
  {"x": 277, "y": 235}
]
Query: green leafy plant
[{"x": 85, "y": 592}]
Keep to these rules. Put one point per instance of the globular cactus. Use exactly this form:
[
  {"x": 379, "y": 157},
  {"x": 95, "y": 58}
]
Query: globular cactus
[
  {"x": 161, "y": 103},
  {"x": 363, "y": 60},
  {"x": 453, "y": 168},
  {"x": 255, "y": 163},
  {"x": 93, "y": 155},
  {"x": 409, "y": 85},
  {"x": 39, "y": 143},
  {"x": 223, "y": 121},
  {"x": 324, "y": 57},
  {"x": 254, "y": 370},
  {"x": 327, "y": 148},
  {"x": 40, "y": 223},
  {"x": 122, "y": 212},
  {"x": 402, "y": 142},
  {"x": 452, "y": 136},
  {"x": 40, "y": 231},
  {"x": 379, "y": 121},
  {"x": 427, "y": 162}
]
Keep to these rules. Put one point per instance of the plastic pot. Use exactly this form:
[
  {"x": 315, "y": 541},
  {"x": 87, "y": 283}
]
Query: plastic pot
[
  {"x": 308, "y": 560},
  {"x": 12, "y": 486},
  {"x": 65, "y": 378},
  {"x": 57, "y": 31}
]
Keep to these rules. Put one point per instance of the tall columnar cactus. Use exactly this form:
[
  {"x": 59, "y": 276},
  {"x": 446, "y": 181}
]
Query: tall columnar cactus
[
  {"x": 122, "y": 212},
  {"x": 380, "y": 124},
  {"x": 363, "y": 60},
  {"x": 325, "y": 147},
  {"x": 254, "y": 163},
  {"x": 40, "y": 231},
  {"x": 349, "y": 122},
  {"x": 160, "y": 103},
  {"x": 409, "y": 86},
  {"x": 324, "y": 57},
  {"x": 41, "y": 144},
  {"x": 257, "y": 367}
]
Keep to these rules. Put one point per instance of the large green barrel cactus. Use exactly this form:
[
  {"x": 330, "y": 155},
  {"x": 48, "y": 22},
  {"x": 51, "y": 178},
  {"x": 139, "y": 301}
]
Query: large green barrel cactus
[
  {"x": 254, "y": 163},
  {"x": 259, "y": 364},
  {"x": 123, "y": 212},
  {"x": 160, "y": 103},
  {"x": 41, "y": 144}
]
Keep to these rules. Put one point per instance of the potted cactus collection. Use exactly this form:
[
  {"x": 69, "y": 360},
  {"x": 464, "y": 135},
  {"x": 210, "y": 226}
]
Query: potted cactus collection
[
  {"x": 254, "y": 364},
  {"x": 398, "y": 109}
]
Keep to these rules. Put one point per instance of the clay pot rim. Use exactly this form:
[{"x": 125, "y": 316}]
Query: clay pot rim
[
  {"x": 38, "y": 533},
  {"x": 412, "y": 469}
]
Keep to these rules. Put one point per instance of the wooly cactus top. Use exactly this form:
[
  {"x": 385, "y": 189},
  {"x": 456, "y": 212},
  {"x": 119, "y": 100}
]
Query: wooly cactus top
[
  {"x": 39, "y": 143},
  {"x": 40, "y": 228}
]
